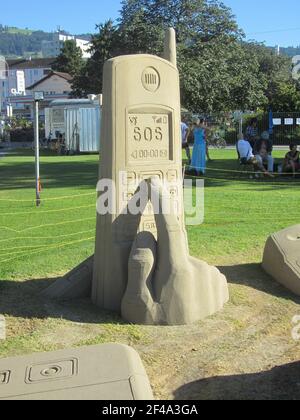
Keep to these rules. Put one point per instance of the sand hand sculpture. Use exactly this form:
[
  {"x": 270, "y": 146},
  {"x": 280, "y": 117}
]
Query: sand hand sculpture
[{"x": 165, "y": 284}]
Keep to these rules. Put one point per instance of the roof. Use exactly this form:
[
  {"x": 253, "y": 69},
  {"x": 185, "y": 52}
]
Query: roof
[
  {"x": 35, "y": 63},
  {"x": 70, "y": 102},
  {"x": 65, "y": 76}
]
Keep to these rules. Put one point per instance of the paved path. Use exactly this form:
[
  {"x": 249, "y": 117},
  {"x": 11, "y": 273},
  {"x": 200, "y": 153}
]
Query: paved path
[{"x": 4, "y": 152}]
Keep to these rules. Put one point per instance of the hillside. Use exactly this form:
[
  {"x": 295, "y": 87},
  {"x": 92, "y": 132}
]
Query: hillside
[
  {"x": 16, "y": 42},
  {"x": 14, "y": 30}
]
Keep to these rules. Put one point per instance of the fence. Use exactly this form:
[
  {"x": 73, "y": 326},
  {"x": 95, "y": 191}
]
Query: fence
[{"x": 286, "y": 126}]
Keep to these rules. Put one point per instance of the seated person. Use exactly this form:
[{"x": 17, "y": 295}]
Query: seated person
[
  {"x": 292, "y": 160},
  {"x": 252, "y": 132},
  {"x": 263, "y": 151},
  {"x": 244, "y": 151},
  {"x": 247, "y": 157}
]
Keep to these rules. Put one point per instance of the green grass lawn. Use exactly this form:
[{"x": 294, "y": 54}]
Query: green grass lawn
[
  {"x": 45, "y": 241},
  {"x": 240, "y": 213},
  {"x": 251, "y": 335},
  {"x": 40, "y": 242}
]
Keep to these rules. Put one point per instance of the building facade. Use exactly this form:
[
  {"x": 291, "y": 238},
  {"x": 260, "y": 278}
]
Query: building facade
[
  {"x": 19, "y": 75},
  {"x": 55, "y": 86},
  {"x": 54, "y": 47}
]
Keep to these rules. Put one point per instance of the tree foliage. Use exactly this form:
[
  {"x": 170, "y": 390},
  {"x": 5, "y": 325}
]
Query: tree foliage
[
  {"x": 218, "y": 70},
  {"x": 103, "y": 47},
  {"x": 70, "y": 59},
  {"x": 281, "y": 91}
]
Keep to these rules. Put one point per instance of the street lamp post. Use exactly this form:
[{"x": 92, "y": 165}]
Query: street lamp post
[
  {"x": 4, "y": 74},
  {"x": 38, "y": 96}
]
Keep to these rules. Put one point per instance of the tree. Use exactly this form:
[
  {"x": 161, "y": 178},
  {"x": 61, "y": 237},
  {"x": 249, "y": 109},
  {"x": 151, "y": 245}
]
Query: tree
[
  {"x": 218, "y": 70},
  {"x": 215, "y": 71},
  {"x": 138, "y": 30},
  {"x": 194, "y": 20},
  {"x": 202, "y": 28},
  {"x": 70, "y": 59},
  {"x": 221, "y": 78},
  {"x": 103, "y": 47},
  {"x": 286, "y": 97},
  {"x": 282, "y": 93}
]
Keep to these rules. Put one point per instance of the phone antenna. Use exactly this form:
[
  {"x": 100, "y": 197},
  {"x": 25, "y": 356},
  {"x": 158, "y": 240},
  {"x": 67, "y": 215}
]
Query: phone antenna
[{"x": 170, "y": 52}]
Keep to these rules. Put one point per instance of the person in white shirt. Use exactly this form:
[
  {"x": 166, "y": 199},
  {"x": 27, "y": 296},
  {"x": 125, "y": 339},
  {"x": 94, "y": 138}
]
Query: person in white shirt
[
  {"x": 263, "y": 151},
  {"x": 247, "y": 157},
  {"x": 185, "y": 132},
  {"x": 245, "y": 151}
]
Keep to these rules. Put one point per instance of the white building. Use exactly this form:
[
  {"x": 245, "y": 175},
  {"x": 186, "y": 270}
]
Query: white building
[
  {"x": 54, "y": 47},
  {"x": 20, "y": 74},
  {"x": 55, "y": 85}
]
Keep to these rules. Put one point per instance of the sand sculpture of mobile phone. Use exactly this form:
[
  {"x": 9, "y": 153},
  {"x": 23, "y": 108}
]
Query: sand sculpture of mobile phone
[
  {"x": 140, "y": 138},
  {"x": 149, "y": 281}
]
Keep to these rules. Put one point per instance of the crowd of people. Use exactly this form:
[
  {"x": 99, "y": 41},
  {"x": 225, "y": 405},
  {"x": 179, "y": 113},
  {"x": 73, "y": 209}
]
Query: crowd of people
[
  {"x": 257, "y": 151},
  {"x": 253, "y": 149},
  {"x": 258, "y": 157}
]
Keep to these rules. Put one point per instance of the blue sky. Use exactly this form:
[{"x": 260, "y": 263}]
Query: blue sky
[{"x": 273, "y": 21}]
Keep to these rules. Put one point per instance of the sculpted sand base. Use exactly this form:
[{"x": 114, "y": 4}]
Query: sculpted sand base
[
  {"x": 282, "y": 258},
  {"x": 102, "y": 373}
]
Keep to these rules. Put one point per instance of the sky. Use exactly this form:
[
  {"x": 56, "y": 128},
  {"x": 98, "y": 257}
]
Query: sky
[{"x": 275, "y": 22}]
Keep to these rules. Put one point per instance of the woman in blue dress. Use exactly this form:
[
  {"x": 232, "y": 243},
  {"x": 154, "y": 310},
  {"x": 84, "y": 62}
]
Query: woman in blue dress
[{"x": 199, "y": 151}]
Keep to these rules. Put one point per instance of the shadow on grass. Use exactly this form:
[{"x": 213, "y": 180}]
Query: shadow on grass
[
  {"x": 280, "y": 383},
  {"x": 66, "y": 172},
  {"x": 223, "y": 172},
  {"x": 57, "y": 174},
  {"x": 24, "y": 300},
  {"x": 253, "y": 275}
]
